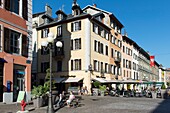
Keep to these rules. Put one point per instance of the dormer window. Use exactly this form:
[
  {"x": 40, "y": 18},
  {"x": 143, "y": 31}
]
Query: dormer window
[
  {"x": 60, "y": 16},
  {"x": 76, "y": 12}
]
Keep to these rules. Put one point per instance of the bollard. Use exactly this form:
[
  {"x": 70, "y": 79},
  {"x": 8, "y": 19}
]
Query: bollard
[{"x": 23, "y": 105}]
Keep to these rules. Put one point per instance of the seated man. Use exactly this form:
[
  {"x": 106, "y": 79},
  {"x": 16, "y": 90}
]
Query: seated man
[{"x": 70, "y": 99}]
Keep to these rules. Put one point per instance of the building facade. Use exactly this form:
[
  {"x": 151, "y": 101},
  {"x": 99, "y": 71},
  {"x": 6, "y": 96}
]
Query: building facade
[
  {"x": 15, "y": 49},
  {"x": 91, "y": 51}
]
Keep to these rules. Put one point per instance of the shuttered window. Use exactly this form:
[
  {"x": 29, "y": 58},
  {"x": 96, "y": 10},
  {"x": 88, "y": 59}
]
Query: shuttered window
[{"x": 76, "y": 26}]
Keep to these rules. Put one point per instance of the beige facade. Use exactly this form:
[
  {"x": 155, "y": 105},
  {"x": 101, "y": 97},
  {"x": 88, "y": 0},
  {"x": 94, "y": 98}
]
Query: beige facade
[
  {"x": 93, "y": 50},
  {"x": 87, "y": 42}
]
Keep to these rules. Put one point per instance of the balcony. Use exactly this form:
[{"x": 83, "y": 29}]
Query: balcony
[
  {"x": 58, "y": 55},
  {"x": 117, "y": 59}
]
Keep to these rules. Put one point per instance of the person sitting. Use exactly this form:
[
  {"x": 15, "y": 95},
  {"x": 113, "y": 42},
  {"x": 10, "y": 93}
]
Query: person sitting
[
  {"x": 70, "y": 99},
  {"x": 60, "y": 100}
]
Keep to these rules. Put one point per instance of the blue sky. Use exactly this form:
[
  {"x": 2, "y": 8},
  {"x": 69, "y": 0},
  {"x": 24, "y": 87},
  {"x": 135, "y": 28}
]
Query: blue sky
[{"x": 147, "y": 22}]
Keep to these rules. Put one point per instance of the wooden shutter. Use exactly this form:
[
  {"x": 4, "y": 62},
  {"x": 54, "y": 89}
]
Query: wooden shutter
[
  {"x": 71, "y": 27},
  {"x": 79, "y": 25},
  {"x": 80, "y": 43},
  {"x": 25, "y": 9},
  {"x": 24, "y": 46},
  {"x": 42, "y": 32},
  {"x": 6, "y": 40}
]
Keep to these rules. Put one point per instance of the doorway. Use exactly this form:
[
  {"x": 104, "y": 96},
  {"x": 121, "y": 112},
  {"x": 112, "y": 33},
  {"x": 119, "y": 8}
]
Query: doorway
[{"x": 18, "y": 81}]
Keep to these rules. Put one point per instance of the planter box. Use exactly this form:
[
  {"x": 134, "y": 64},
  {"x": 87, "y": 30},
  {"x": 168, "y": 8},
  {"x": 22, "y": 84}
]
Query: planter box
[
  {"x": 95, "y": 91},
  {"x": 38, "y": 102}
]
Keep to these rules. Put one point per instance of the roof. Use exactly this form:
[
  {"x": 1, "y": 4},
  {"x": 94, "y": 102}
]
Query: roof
[
  {"x": 109, "y": 13},
  {"x": 37, "y": 14}
]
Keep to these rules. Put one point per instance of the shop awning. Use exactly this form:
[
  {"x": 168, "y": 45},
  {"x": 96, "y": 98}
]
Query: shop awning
[
  {"x": 3, "y": 60},
  {"x": 131, "y": 81},
  {"x": 59, "y": 79},
  {"x": 101, "y": 80},
  {"x": 113, "y": 81},
  {"x": 70, "y": 80}
]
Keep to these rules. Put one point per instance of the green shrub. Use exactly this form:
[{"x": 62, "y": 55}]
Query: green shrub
[
  {"x": 96, "y": 84},
  {"x": 102, "y": 87},
  {"x": 163, "y": 86}
]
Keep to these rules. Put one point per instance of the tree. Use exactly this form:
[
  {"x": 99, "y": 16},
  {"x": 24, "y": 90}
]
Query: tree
[{"x": 47, "y": 79}]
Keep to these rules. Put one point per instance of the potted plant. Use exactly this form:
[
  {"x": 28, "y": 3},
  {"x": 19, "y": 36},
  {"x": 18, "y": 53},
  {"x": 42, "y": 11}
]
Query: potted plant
[
  {"x": 38, "y": 93},
  {"x": 102, "y": 89},
  {"x": 96, "y": 89}
]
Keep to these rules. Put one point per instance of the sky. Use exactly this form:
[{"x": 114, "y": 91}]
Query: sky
[{"x": 147, "y": 22}]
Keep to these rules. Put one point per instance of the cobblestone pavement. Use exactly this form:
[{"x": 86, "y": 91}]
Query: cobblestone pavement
[{"x": 107, "y": 104}]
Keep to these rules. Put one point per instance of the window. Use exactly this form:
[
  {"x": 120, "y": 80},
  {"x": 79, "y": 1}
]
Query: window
[
  {"x": 95, "y": 45},
  {"x": 76, "y": 44},
  {"x": 101, "y": 67},
  {"x": 44, "y": 66},
  {"x": 112, "y": 52},
  {"x": 106, "y": 68},
  {"x": 95, "y": 65},
  {"x": 6, "y": 40},
  {"x": 106, "y": 50},
  {"x": 123, "y": 62},
  {"x": 112, "y": 69},
  {"x": 25, "y": 43},
  {"x": 12, "y": 5},
  {"x": 44, "y": 33},
  {"x": 101, "y": 51},
  {"x": 14, "y": 42},
  {"x": 107, "y": 35},
  {"x": 130, "y": 65},
  {"x": 72, "y": 44},
  {"x": 76, "y": 26},
  {"x": 59, "y": 31},
  {"x": 59, "y": 66},
  {"x": 44, "y": 52},
  {"x": 102, "y": 32},
  {"x": 123, "y": 48},
  {"x": 114, "y": 40},
  {"x": 99, "y": 47},
  {"x": 119, "y": 43},
  {"x": 76, "y": 64},
  {"x": 127, "y": 65},
  {"x": 25, "y": 9},
  {"x": 95, "y": 28}
]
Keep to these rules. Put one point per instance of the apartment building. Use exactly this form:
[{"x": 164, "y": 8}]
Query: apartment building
[
  {"x": 146, "y": 71},
  {"x": 15, "y": 49},
  {"x": 91, "y": 49}
]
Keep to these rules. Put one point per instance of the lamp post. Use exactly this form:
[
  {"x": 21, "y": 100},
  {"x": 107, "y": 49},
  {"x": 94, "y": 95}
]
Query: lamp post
[{"x": 49, "y": 45}]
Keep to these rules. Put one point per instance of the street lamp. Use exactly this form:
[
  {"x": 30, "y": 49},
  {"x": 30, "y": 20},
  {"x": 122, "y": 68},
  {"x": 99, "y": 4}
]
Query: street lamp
[{"x": 49, "y": 45}]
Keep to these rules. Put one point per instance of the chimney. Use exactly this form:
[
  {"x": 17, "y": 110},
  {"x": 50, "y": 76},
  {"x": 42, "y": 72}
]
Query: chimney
[
  {"x": 94, "y": 5},
  {"x": 48, "y": 10}
]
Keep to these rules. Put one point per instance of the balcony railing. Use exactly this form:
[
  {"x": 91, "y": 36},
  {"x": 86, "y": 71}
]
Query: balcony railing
[
  {"x": 58, "y": 55},
  {"x": 117, "y": 59}
]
